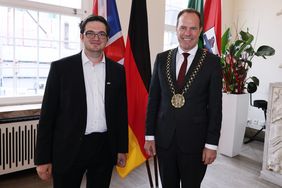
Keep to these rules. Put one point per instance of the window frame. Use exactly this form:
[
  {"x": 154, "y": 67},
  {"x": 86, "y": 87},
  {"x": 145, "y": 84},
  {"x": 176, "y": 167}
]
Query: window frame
[
  {"x": 86, "y": 9},
  {"x": 171, "y": 27},
  {"x": 37, "y": 6}
]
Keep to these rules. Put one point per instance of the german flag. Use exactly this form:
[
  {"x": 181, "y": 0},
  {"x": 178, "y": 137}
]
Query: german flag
[{"x": 138, "y": 74}]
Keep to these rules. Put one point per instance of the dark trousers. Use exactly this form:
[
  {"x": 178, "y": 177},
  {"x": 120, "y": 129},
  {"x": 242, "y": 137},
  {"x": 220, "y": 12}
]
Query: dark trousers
[
  {"x": 176, "y": 166},
  {"x": 95, "y": 159}
]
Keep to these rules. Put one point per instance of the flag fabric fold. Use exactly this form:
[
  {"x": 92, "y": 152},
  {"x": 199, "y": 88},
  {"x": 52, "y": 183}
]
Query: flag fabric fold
[
  {"x": 212, "y": 26},
  {"x": 211, "y": 19},
  {"x": 198, "y": 5},
  {"x": 138, "y": 74},
  {"x": 115, "y": 47}
]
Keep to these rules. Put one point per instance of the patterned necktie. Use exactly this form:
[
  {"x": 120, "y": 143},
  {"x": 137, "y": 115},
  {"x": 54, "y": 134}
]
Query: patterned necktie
[{"x": 181, "y": 76}]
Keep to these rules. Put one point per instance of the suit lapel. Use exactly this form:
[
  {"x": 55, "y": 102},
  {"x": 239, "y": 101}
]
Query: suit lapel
[
  {"x": 78, "y": 68},
  {"x": 108, "y": 83},
  {"x": 173, "y": 67}
]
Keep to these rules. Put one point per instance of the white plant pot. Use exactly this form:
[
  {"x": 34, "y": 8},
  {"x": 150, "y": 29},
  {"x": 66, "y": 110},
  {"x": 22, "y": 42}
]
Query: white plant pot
[{"x": 234, "y": 121}]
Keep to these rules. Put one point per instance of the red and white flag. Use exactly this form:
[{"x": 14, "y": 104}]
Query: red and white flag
[{"x": 212, "y": 26}]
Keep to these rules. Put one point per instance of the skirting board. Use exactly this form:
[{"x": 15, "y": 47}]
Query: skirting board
[{"x": 271, "y": 177}]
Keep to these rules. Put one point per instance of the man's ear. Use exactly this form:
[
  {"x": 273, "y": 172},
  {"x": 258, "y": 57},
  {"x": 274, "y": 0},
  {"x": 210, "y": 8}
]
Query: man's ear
[{"x": 201, "y": 29}]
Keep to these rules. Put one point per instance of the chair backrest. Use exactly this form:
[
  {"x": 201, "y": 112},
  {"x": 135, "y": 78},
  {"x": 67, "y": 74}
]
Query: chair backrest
[{"x": 259, "y": 104}]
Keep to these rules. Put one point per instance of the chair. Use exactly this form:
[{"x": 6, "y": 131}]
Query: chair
[{"x": 258, "y": 104}]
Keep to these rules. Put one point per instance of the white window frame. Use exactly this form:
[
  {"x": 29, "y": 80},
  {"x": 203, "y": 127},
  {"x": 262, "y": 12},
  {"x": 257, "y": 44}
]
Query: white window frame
[
  {"x": 86, "y": 9},
  {"x": 171, "y": 28}
]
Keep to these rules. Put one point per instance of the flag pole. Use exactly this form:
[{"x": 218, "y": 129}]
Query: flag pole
[
  {"x": 149, "y": 173},
  {"x": 156, "y": 171}
]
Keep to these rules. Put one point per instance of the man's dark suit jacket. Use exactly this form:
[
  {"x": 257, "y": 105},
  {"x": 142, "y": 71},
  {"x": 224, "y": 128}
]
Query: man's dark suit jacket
[
  {"x": 199, "y": 120},
  {"x": 64, "y": 111}
]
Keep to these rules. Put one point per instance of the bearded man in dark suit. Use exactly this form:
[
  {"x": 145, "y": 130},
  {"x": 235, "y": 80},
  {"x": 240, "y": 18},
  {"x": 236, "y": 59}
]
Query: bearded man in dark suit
[
  {"x": 184, "y": 110},
  {"x": 83, "y": 122}
]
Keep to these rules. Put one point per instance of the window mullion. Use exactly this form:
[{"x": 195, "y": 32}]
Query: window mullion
[
  {"x": 14, "y": 54},
  {"x": 37, "y": 59}
]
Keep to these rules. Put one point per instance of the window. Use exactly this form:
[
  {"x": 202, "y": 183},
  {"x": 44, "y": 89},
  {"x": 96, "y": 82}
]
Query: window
[
  {"x": 65, "y": 3},
  {"x": 30, "y": 40},
  {"x": 171, "y": 11}
]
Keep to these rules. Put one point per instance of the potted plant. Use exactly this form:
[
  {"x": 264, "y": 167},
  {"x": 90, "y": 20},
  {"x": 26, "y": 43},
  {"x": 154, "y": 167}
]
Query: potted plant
[{"x": 236, "y": 61}]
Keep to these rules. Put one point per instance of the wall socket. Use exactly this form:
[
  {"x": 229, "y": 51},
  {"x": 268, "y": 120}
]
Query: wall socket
[{"x": 255, "y": 122}]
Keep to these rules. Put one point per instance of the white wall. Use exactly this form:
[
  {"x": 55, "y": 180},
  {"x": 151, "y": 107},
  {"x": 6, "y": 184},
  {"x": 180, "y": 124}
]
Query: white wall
[
  {"x": 227, "y": 14},
  {"x": 262, "y": 20}
]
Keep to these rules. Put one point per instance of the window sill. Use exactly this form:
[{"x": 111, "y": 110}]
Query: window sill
[{"x": 19, "y": 110}]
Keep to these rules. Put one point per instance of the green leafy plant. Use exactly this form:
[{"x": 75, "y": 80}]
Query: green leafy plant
[{"x": 236, "y": 60}]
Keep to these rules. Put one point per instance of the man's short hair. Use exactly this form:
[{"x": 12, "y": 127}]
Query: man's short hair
[
  {"x": 91, "y": 18},
  {"x": 189, "y": 10}
]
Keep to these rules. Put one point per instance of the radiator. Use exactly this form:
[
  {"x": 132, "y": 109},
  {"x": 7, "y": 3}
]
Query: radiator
[{"x": 17, "y": 144}]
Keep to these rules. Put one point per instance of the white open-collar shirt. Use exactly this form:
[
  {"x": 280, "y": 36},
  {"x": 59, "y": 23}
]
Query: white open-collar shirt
[{"x": 94, "y": 78}]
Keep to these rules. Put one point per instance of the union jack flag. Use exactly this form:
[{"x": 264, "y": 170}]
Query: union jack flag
[{"x": 115, "y": 46}]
